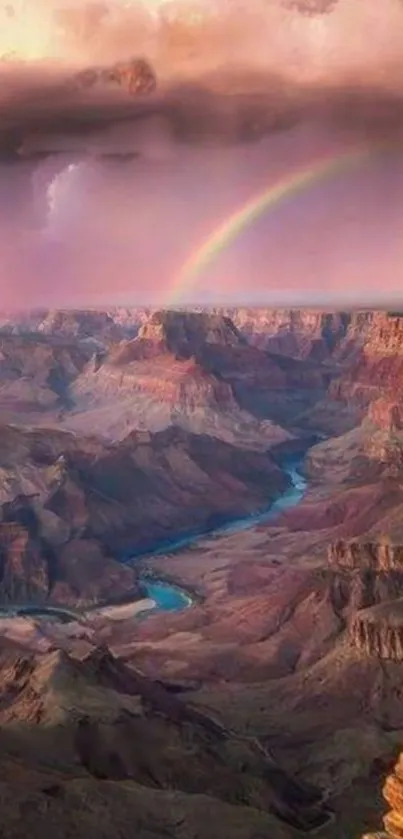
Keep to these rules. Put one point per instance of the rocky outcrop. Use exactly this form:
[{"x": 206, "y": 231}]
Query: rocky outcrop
[
  {"x": 81, "y": 325},
  {"x": 70, "y": 505},
  {"x": 393, "y": 795},
  {"x": 387, "y": 414},
  {"x": 185, "y": 333},
  {"x": 35, "y": 374},
  {"x": 41, "y": 561},
  {"x": 366, "y": 556},
  {"x": 386, "y": 334},
  {"x": 375, "y": 580},
  {"x": 300, "y": 333},
  {"x": 108, "y": 723},
  {"x": 357, "y": 333},
  {"x": 377, "y": 371},
  {"x": 191, "y": 369},
  {"x": 368, "y": 586},
  {"x": 378, "y": 631}
]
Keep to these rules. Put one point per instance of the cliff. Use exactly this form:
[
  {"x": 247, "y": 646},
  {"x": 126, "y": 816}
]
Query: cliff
[
  {"x": 71, "y": 505},
  {"x": 80, "y": 324},
  {"x": 366, "y": 556},
  {"x": 378, "y": 367},
  {"x": 35, "y": 374},
  {"x": 300, "y": 333},
  {"x": 393, "y": 795},
  {"x": 191, "y": 369},
  {"x": 185, "y": 333},
  {"x": 135, "y": 752},
  {"x": 371, "y": 576},
  {"x": 42, "y": 560},
  {"x": 378, "y": 631},
  {"x": 375, "y": 571}
]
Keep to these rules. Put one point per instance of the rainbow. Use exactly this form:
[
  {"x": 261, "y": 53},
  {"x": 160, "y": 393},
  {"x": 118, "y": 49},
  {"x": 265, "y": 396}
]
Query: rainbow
[{"x": 243, "y": 218}]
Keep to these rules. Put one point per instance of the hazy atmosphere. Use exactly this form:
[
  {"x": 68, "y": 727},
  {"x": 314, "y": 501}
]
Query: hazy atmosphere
[
  {"x": 201, "y": 419},
  {"x": 246, "y": 98}
]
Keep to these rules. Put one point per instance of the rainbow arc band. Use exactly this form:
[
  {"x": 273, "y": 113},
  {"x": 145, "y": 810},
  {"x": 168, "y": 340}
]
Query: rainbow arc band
[{"x": 287, "y": 187}]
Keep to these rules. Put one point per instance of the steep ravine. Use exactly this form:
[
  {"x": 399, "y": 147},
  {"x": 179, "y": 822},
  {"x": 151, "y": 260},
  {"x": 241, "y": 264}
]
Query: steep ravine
[{"x": 165, "y": 596}]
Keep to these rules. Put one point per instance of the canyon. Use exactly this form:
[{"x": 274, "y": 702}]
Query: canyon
[{"x": 148, "y": 447}]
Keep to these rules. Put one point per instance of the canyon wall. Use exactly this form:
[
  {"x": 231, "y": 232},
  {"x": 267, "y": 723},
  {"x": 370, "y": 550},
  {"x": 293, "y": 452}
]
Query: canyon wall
[
  {"x": 362, "y": 556},
  {"x": 372, "y": 575},
  {"x": 378, "y": 631},
  {"x": 301, "y": 333},
  {"x": 377, "y": 370},
  {"x": 393, "y": 795}
]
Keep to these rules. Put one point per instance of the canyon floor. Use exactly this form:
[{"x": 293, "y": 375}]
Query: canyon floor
[{"x": 273, "y": 697}]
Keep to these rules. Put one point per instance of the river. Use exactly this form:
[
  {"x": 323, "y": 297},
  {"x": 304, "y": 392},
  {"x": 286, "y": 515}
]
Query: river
[{"x": 171, "y": 598}]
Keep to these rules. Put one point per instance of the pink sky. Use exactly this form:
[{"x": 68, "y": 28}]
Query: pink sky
[{"x": 126, "y": 230}]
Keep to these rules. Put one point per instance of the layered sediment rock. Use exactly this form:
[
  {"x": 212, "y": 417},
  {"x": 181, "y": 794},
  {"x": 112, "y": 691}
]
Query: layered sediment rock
[
  {"x": 186, "y": 333},
  {"x": 387, "y": 414},
  {"x": 71, "y": 504},
  {"x": 192, "y": 369},
  {"x": 40, "y": 560},
  {"x": 366, "y": 556},
  {"x": 393, "y": 795},
  {"x": 81, "y": 324},
  {"x": 300, "y": 333},
  {"x": 376, "y": 569},
  {"x": 378, "y": 368},
  {"x": 378, "y": 631},
  {"x": 123, "y": 733},
  {"x": 372, "y": 572}
]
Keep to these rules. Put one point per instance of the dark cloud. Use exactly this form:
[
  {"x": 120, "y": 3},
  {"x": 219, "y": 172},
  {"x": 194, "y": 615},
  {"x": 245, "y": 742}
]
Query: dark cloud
[{"x": 241, "y": 99}]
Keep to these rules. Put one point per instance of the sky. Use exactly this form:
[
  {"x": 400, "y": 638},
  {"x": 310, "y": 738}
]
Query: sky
[{"x": 120, "y": 232}]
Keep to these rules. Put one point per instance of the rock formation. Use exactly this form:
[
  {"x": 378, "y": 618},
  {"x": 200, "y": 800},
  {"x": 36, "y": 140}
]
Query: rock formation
[
  {"x": 378, "y": 367},
  {"x": 300, "y": 333},
  {"x": 366, "y": 556},
  {"x": 70, "y": 505},
  {"x": 119, "y": 738},
  {"x": 40, "y": 561},
  {"x": 35, "y": 374},
  {"x": 185, "y": 333},
  {"x": 82, "y": 325},
  {"x": 373, "y": 573},
  {"x": 393, "y": 795},
  {"x": 378, "y": 631},
  {"x": 300, "y": 656},
  {"x": 190, "y": 369}
]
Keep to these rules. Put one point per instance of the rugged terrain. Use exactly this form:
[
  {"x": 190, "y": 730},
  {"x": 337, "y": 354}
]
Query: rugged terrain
[
  {"x": 291, "y": 655},
  {"x": 191, "y": 369},
  {"x": 84, "y": 736},
  {"x": 392, "y": 793},
  {"x": 73, "y": 506}
]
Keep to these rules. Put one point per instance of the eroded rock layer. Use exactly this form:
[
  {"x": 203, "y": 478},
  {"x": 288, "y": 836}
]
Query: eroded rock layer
[
  {"x": 379, "y": 630},
  {"x": 393, "y": 795}
]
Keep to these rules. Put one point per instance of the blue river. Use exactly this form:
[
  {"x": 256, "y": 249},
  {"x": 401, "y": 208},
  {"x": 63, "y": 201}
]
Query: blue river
[{"x": 171, "y": 598}]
